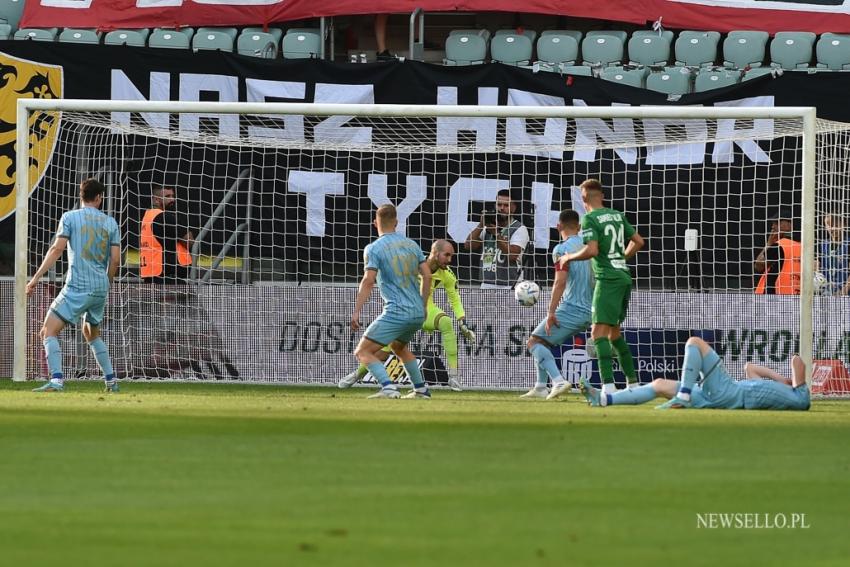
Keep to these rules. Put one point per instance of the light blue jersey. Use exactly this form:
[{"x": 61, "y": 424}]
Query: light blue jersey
[
  {"x": 396, "y": 259},
  {"x": 579, "y": 292},
  {"x": 91, "y": 234}
]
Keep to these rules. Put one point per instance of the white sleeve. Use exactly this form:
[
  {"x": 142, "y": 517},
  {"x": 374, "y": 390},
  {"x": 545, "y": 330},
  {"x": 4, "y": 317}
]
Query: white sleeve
[{"x": 520, "y": 237}]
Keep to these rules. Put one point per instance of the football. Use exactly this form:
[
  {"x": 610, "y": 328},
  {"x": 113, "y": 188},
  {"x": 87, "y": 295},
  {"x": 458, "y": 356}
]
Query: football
[{"x": 527, "y": 293}]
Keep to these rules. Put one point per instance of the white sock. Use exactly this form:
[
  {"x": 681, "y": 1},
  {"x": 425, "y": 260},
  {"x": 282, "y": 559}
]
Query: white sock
[
  {"x": 453, "y": 372},
  {"x": 633, "y": 385},
  {"x": 609, "y": 388},
  {"x": 558, "y": 381},
  {"x": 686, "y": 397}
]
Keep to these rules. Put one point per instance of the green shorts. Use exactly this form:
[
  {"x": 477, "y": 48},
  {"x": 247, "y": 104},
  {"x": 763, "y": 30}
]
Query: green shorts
[
  {"x": 611, "y": 301},
  {"x": 431, "y": 317}
]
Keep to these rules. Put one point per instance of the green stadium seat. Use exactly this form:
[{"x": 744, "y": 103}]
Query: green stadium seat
[
  {"x": 744, "y": 49},
  {"x": 168, "y": 39},
  {"x": 708, "y": 79},
  {"x": 696, "y": 49},
  {"x": 208, "y": 39},
  {"x": 632, "y": 77},
  {"x": 701, "y": 33},
  {"x": 257, "y": 44},
  {"x": 10, "y": 12},
  {"x": 833, "y": 52},
  {"x": 649, "y": 50},
  {"x": 792, "y": 50},
  {"x": 133, "y": 38},
  {"x": 276, "y": 32},
  {"x": 72, "y": 35},
  {"x": 5, "y": 31},
  {"x": 757, "y": 72},
  {"x": 580, "y": 70},
  {"x": 667, "y": 34},
  {"x": 602, "y": 50},
  {"x": 530, "y": 34},
  {"x": 557, "y": 49},
  {"x": 483, "y": 33},
  {"x": 673, "y": 80},
  {"x": 465, "y": 49},
  {"x": 511, "y": 49},
  {"x": 619, "y": 34},
  {"x": 301, "y": 45},
  {"x": 575, "y": 34},
  {"x": 232, "y": 32},
  {"x": 36, "y": 34}
]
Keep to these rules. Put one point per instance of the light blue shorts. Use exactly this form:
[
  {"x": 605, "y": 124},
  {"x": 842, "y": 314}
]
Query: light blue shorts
[
  {"x": 718, "y": 389},
  {"x": 388, "y": 328},
  {"x": 570, "y": 324},
  {"x": 70, "y": 305}
]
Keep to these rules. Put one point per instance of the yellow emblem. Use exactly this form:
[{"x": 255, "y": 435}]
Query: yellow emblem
[{"x": 20, "y": 78}]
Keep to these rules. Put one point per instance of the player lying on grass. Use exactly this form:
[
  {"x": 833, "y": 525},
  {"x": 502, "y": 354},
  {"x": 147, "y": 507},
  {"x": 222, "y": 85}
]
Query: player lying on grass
[
  {"x": 398, "y": 266},
  {"x": 717, "y": 389},
  {"x": 439, "y": 260},
  {"x": 569, "y": 310},
  {"x": 94, "y": 252}
]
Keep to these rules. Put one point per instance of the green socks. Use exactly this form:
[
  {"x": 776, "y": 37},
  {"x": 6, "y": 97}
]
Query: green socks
[
  {"x": 627, "y": 363},
  {"x": 606, "y": 363}
]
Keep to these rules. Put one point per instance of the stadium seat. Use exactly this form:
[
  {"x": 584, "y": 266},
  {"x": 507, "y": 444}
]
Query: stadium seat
[
  {"x": 602, "y": 50},
  {"x": 301, "y": 45},
  {"x": 697, "y": 49},
  {"x": 833, "y": 52},
  {"x": 530, "y": 34},
  {"x": 649, "y": 50},
  {"x": 257, "y": 44},
  {"x": 72, "y": 35},
  {"x": 557, "y": 49},
  {"x": 10, "y": 12},
  {"x": 667, "y": 34},
  {"x": 5, "y": 31},
  {"x": 673, "y": 80},
  {"x": 208, "y": 39},
  {"x": 619, "y": 34},
  {"x": 276, "y": 32},
  {"x": 744, "y": 49},
  {"x": 511, "y": 49},
  {"x": 792, "y": 50},
  {"x": 134, "y": 38},
  {"x": 168, "y": 39},
  {"x": 708, "y": 79},
  {"x": 483, "y": 33},
  {"x": 575, "y": 34},
  {"x": 633, "y": 77},
  {"x": 36, "y": 34},
  {"x": 231, "y": 32},
  {"x": 465, "y": 49},
  {"x": 581, "y": 70},
  {"x": 757, "y": 72}
]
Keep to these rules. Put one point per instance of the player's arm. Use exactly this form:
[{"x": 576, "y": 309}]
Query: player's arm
[
  {"x": 558, "y": 287},
  {"x": 425, "y": 285},
  {"x": 636, "y": 242},
  {"x": 453, "y": 295},
  {"x": 756, "y": 371},
  {"x": 363, "y": 293},
  {"x": 590, "y": 235},
  {"x": 114, "y": 261},
  {"x": 55, "y": 252}
]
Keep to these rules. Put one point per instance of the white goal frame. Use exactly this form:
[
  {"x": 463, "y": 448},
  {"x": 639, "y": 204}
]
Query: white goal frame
[{"x": 808, "y": 174}]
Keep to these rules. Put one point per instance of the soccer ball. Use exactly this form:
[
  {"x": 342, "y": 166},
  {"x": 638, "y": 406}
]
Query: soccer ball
[{"x": 527, "y": 293}]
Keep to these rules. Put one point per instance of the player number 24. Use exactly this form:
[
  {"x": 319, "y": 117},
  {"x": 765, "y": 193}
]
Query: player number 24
[{"x": 618, "y": 242}]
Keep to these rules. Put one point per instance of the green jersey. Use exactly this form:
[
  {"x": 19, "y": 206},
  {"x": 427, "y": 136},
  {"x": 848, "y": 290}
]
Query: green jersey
[{"x": 611, "y": 230}]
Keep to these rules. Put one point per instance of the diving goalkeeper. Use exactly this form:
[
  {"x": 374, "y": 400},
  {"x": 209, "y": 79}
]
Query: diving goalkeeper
[{"x": 436, "y": 319}]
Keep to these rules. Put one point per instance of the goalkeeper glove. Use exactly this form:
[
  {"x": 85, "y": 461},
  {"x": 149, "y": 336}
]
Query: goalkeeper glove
[{"x": 466, "y": 331}]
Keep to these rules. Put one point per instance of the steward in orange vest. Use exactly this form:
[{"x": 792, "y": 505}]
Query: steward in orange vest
[
  {"x": 779, "y": 262},
  {"x": 163, "y": 251}
]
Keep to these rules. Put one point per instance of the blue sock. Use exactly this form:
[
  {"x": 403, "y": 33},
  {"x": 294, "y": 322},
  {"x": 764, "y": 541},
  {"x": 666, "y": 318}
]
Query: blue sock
[
  {"x": 98, "y": 349},
  {"x": 54, "y": 357},
  {"x": 633, "y": 396},
  {"x": 542, "y": 376},
  {"x": 380, "y": 373},
  {"x": 690, "y": 369},
  {"x": 543, "y": 355},
  {"x": 412, "y": 368}
]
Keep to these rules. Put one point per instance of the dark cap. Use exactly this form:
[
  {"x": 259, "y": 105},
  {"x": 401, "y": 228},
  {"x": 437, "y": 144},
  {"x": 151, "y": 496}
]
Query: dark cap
[{"x": 782, "y": 213}]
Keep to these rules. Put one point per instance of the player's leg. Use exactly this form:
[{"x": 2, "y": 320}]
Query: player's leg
[
  {"x": 91, "y": 332},
  {"x": 624, "y": 355},
  {"x": 411, "y": 365},
  {"x": 50, "y": 329},
  {"x": 720, "y": 389},
  {"x": 446, "y": 327},
  {"x": 604, "y": 354},
  {"x": 630, "y": 396},
  {"x": 541, "y": 384},
  {"x": 380, "y": 333},
  {"x": 357, "y": 375}
]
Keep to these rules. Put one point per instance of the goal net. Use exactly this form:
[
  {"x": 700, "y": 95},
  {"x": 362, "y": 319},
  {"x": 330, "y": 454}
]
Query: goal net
[{"x": 277, "y": 202}]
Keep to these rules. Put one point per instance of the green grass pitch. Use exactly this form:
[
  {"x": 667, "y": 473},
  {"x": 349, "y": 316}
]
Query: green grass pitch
[{"x": 192, "y": 474}]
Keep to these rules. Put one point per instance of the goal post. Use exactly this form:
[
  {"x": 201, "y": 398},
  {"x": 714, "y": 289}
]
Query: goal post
[{"x": 527, "y": 148}]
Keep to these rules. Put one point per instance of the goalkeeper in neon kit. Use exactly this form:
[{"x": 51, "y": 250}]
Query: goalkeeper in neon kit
[{"x": 436, "y": 319}]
